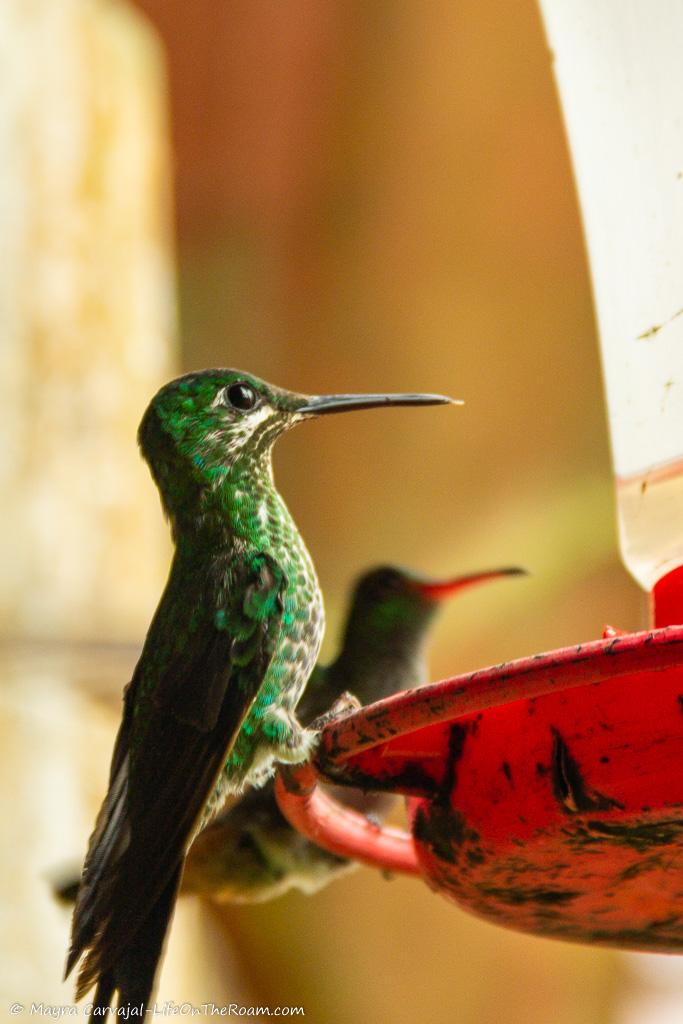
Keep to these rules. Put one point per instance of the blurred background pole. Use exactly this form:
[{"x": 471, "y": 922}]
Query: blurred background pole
[
  {"x": 620, "y": 77},
  {"x": 87, "y": 305},
  {"x": 87, "y": 311}
]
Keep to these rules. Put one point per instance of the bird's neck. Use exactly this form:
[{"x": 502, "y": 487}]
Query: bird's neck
[
  {"x": 373, "y": 663},
  {"x": 241, "y": 506}
]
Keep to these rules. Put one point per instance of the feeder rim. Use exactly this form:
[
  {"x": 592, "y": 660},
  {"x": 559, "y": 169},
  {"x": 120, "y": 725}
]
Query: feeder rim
[{"x": 584, "y": 664}]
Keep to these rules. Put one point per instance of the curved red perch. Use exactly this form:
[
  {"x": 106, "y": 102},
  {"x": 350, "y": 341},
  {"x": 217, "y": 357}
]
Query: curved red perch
[{"x": 339, "y": 829}]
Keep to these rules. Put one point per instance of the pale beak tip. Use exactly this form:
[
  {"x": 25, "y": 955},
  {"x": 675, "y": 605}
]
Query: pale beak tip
[{"x": 441, "y": 400}]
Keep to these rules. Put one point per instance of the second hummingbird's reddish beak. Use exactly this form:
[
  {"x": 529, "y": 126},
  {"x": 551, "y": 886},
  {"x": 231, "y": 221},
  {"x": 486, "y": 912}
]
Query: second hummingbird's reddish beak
[
  {"x": 319, "y": 405},
  {"x": 440, "y": 590}
]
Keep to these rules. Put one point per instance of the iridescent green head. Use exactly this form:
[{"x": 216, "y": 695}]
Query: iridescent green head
[{"x": 206, "y": 426}]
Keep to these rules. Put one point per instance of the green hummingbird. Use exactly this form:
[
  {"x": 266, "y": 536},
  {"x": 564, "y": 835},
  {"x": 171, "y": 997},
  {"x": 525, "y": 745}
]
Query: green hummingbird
[
  {"x": 250, "y": 853},
  {"x": 211, "y": 704}
]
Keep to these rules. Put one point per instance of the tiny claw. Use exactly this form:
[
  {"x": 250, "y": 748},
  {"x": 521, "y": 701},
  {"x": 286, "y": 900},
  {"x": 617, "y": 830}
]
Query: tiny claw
[
  {"x": 609, "y": 632},
  {"x": 344, "y": 705}
]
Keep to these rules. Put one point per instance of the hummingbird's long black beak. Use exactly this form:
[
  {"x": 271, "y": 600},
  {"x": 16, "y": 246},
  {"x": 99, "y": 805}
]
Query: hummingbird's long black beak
[{"x": 319, "y": 405}]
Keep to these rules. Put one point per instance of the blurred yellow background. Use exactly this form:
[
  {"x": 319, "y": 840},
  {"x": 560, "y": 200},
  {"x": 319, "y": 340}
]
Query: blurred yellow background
[{"x": 370, "y": 196}]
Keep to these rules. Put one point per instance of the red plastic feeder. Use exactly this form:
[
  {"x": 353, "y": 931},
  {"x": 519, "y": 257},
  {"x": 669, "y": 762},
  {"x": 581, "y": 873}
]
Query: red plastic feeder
[{"x": 546, "y": 794}]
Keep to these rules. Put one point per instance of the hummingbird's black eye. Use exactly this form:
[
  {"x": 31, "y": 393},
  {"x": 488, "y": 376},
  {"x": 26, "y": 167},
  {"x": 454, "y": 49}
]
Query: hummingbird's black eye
[
  {"x": 384, "y": 582},
  {"x": 241, "y": 396}
]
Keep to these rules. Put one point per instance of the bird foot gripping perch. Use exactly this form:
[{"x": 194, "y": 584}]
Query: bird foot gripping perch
[
  {"x": 344, "y": 705},
  {"x": 545, "y": 794}
]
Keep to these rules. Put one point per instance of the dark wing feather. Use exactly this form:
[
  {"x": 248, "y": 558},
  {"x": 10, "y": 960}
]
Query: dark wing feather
[{"x": 183, "y": 709}]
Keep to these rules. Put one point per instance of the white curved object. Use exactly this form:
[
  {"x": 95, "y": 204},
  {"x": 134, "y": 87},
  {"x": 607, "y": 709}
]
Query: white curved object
[{"x": 619, "y": 68}]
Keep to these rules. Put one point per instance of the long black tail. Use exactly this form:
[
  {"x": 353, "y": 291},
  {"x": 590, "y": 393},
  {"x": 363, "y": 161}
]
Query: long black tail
[{"x": 133, "y": 975}]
